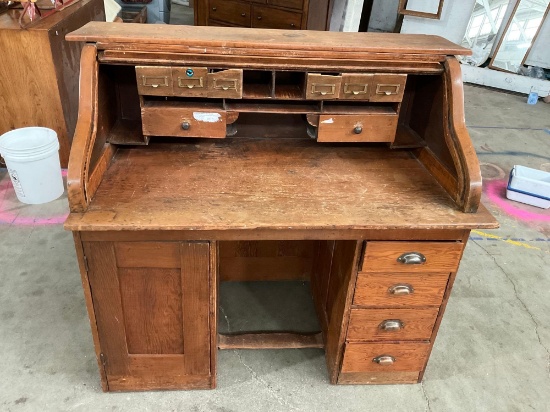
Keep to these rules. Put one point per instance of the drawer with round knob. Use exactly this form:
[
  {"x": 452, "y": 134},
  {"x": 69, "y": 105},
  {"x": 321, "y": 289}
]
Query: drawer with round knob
[
  {"x": 367, "y": 127},
  {"x": 412, "y": 256},
  {"x": 271, "y": 18},
  {"x": 391, "y": 324},
  {"x": 228, "y": 11},
  {"x": 387, "y": 357},
  {"x": 171, "y": 120},
  {"x": 400, "y": 289}
]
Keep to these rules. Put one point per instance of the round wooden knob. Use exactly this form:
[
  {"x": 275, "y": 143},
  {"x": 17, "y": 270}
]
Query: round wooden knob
[
  {"x": 185, "y": 126},
  {"x": 357, "y": 130}
]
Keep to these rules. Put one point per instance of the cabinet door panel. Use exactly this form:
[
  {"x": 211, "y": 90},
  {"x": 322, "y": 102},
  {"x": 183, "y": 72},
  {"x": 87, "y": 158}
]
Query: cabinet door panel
[{"x": 153, "y": 322}]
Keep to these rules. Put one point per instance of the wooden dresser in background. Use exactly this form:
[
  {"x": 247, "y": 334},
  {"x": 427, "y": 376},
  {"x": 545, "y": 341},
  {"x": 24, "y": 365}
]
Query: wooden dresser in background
[
  {"x": 212, "y": 154},
  {"x": 39, "y": 71},
  {"x": 264, "y": 14}
]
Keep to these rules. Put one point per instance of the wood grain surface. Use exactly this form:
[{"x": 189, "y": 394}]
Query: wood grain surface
[
  {"x": 418, "y": 323},
  {"x": 358, "y": 357},
  {"x": 112, "y": 33},
  {"x": 372, "y": 289},
  {"x": 440, "y": 256},
  {"x": 252, "y": 184}
]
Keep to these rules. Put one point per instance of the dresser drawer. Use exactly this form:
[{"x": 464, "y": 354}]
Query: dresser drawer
[
  {"x": 357, "y": 128},
  {"x": 226, "y": 84},
  {"x": 322, "y": 86},
  {"x": 388, "y": 87},
  {"x": 154, "y": 80},
  {"x": 400, "y": 289},
  {"x": 385, "y": 357},
  {"x": 270, "y": 18},
  {"x": 164, "y": 120},
  {"x": 412, "y": 256},
  {"x": 391, "y": 324},
  {"x": 291, "y": 4},
  {"x": 356, "y": 86},
  {"x": 230, "y": 12},
  {"x": 190, "y": 81}
]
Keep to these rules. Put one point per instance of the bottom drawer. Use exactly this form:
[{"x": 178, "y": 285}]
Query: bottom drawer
[
  {"x": 170, "y": 120},
  {"x": 385, "y": 357},
  {"x": 380, "y": 378}
]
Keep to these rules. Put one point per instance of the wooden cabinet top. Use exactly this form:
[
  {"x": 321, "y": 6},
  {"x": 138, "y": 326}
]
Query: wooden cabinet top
[{"x": 249, "y": 41}]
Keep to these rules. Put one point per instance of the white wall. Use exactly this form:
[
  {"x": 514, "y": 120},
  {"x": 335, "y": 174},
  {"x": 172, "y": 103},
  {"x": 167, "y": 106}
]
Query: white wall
[
  {"x": 384, "y": 15},
  {"x": 455, "y": 16}
]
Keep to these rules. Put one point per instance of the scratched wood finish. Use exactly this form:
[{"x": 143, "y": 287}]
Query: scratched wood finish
[
  {"x": 329, "y": 43},
  {"x": 440, "y": 256},
  {"x": 160, "y": 119},
  {"x": 214, "y": 186},
  {"x": 376, "y": 128},
  {"x": 418, "y": 323},
  {"x": 373, "y": 289},
  {"x": 153, "y": 322},
  {"x": 39, "y": 71},
  {"x": 358, "y": 357}
]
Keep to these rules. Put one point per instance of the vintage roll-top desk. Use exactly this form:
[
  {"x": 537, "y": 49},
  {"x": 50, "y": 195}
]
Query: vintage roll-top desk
[{"x": 212, "y": 154}]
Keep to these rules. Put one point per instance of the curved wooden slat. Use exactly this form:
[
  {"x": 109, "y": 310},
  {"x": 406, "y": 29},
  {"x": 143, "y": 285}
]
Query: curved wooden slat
[
  {"x": 85, "y": 131},
  {"x": 462, "y": 149}
]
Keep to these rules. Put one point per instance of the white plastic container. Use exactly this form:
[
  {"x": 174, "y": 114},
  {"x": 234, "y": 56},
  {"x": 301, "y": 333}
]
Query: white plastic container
[
  {"x": 530, "y": 186},
  {"x": 32, "y": 159}
]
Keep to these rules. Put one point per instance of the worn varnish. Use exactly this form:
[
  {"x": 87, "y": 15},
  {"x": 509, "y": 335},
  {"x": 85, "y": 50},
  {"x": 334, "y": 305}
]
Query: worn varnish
[{"x": 204, "y": 155}]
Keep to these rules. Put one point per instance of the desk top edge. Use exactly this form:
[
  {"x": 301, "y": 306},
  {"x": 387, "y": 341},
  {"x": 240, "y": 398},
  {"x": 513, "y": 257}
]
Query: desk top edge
[{"x": 112, "y": 35}]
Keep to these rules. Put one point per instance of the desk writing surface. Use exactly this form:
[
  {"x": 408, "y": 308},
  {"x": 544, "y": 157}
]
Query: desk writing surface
[{"x": 246, "y": 184}]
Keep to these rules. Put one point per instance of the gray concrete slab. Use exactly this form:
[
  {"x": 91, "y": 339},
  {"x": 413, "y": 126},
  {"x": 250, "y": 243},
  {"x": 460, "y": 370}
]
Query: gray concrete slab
[{"x": 492, "y": 351}]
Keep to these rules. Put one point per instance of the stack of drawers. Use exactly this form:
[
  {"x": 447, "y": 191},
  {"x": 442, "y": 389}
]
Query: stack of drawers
[
  {"x": 267, "y": 14},
  {"x": 400, "y": 288}
]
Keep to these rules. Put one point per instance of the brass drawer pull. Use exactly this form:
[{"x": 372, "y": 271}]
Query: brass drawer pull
[
  {"x": 315, "y": 86},
  {"x": 397, "y": 87},
  {"x": 185, "y": 125},
  {"x": 412, "y": 258},
  {"x": 384, "y": 360},
  {"x": 154, "y": 81},
  {"x": 230, "y": 84},
  {"x": 391, "y": 325},
  {"x": 185, "y": 82},
  {"x": 355, "y": 92},
  {"x": 401, "y": 289}
]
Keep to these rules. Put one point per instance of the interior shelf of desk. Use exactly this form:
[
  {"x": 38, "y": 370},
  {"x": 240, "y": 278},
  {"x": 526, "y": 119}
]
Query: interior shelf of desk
[{"x": 248, "y": 184}]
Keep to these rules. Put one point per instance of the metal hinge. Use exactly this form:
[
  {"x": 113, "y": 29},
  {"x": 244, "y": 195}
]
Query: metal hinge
[
  {"x": 86, "y": 264},
  {"x": 102, "y": 358}
]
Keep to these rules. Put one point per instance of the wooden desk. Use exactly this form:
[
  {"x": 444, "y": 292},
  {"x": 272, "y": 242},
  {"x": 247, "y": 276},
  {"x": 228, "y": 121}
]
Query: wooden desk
[{"x": 339, "y": 158}]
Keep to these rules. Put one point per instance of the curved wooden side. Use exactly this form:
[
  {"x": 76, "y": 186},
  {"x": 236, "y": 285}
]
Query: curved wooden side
[
  {"x": 85, "y": 131},
  {"x": 462, "y": 149}
]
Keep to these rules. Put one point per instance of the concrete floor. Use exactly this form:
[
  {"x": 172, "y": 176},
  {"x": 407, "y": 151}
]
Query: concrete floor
[{"x": 491, "y": 354}]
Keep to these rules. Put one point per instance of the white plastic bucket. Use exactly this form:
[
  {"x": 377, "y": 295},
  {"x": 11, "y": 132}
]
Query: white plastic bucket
[{"x": 32, "y": 159}]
